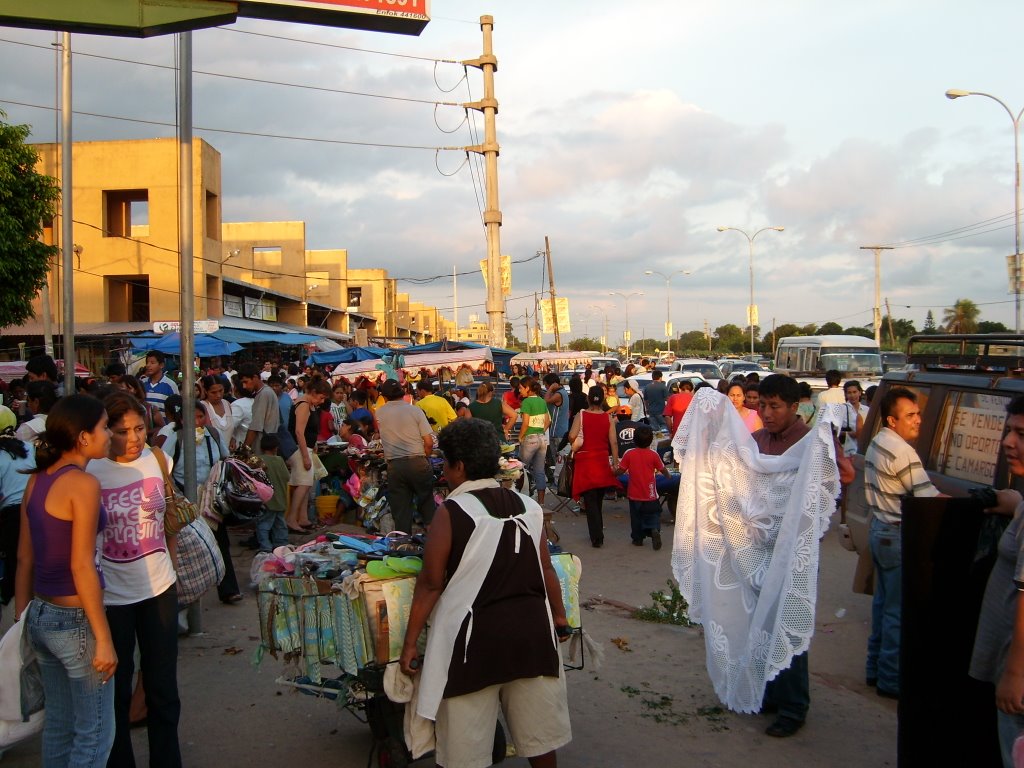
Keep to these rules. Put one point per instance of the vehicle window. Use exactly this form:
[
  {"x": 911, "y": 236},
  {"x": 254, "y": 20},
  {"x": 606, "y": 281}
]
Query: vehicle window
[{"x": 966, "y": 444}]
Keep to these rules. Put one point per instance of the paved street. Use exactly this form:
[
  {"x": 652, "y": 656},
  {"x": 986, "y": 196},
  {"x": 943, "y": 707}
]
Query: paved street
[{"x": 650, "y": 703}]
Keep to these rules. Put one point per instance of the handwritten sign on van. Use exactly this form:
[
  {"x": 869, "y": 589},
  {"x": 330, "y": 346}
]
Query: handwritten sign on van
[{"x": 969, "y": 443}]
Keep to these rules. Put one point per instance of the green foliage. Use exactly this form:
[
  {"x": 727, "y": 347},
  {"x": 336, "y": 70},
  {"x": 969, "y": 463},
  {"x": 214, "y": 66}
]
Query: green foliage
[
  {"x": 962, "y": 317},
  {"x": 867, "y": 333},
  {"x": 668, "y": 608},
  {"x": 585, "y": 343},
  {"x": 728, "y": 338},
  {"x": 929, "y": 324},
  {"x": 27, "y": 199},
  {"x": 691, "y": 340},
  {"x": 992, "y": 326},
  {"x": 829, "y": 329}
]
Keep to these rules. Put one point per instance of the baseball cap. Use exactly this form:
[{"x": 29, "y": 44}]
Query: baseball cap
[
  {"x": 623, "y": 410},
  {"x": 391, "y": 390}
]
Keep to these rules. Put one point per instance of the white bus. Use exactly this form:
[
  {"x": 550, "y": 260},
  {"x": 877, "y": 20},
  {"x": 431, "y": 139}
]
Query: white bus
[{"x": 808, "y": 357}]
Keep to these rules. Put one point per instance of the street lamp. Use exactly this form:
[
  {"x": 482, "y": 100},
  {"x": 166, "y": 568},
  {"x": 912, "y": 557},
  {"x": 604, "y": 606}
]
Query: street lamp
[
  {"x": 604, "y": 328},
  {"x": 668, "y": 293},
  {"x": 955, "y": 93},
  {"x": 751, "y": 311},
  {"x": 626, "y": 297}
]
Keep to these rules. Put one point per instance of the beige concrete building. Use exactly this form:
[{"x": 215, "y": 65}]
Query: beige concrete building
[{"x": 248, "y": 275}]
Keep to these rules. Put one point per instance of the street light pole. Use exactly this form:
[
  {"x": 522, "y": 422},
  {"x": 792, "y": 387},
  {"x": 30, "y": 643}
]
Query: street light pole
[
  {"x": 604, "y": 327},
  {"x": 668, "y": 293},
  {"x": 750, "y": 243},
  {"x": 626, "y": 297},
  {"x": 956, "y": 93}
]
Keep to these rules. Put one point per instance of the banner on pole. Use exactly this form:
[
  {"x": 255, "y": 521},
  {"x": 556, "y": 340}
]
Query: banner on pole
[
  {"x": 547, "y": 321},
  {"x": 506, "y": 274}
]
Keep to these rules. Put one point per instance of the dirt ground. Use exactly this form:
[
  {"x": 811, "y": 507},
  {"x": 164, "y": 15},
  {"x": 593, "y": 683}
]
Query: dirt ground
[{"x": 651, "y": 701}]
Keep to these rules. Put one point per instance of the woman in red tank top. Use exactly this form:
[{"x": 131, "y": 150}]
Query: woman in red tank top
[{"x": 593, "y": 472}]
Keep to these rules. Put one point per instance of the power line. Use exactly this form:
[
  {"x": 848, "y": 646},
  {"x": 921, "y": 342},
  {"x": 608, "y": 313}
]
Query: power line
[
  {"x": 340, "y": 47},
  {"x": 257, "y": 134}
]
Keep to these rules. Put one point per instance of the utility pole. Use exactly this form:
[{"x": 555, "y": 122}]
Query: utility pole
[
  {"x": 888, "y": 314},
  {"x": 455, "y": 300},
  {"x": 536, "y": 323},
  {"x": 878, "y": 286},
  {"x": 67, "y": 239},
  {"x": 186, "y": 263},
  {"x": 551, "y": 284},
  {"x": 707, "y": 335},
  {"x": 488, "y": 64}
]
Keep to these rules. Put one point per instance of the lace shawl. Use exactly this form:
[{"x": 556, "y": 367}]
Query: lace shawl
[{"x": 746, "y": 543}]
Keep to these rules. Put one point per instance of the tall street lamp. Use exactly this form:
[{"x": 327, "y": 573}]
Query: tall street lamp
[
  {"x": 752, "y": 309},
  {"x": 626, "y": 297},
  {"x": 604, "y": 328},
  {"x": 668, "y": 294},
  {"x": 955, "y": 93}
]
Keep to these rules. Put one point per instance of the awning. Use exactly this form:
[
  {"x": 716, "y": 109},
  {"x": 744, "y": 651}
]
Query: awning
[
  {"x": 206, "y": 345},
  {"x": 558, "y": 359},
  {"x": 15, "y": 369},
  {"x": 354, "y": 370},
  {"x": 433, "y": 362},
  {"x": 349, "y": 355}
]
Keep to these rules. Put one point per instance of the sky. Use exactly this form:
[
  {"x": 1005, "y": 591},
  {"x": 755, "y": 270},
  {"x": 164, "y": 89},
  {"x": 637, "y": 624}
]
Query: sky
[{"x": 629, "y": 133}]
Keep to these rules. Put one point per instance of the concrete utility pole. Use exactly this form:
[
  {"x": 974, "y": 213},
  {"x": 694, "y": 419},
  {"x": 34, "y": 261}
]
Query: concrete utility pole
[
  {"x": 185, "y": 263},
  {"x": 488, "y": 64},
  {"x": 67, "y": 237},
  {"x": 888, "y": 314},
  {"x": 878, "y": 287},
  {"x": 554, "y": 302}
]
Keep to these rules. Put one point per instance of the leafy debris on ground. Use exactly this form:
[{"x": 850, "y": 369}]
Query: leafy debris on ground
[
  {"x": 622, "y": 644},
  {"x": 668, "y": 608}
]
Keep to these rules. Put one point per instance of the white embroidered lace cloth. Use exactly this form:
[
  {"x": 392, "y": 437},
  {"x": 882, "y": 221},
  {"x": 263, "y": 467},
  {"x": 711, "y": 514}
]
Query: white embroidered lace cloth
[{"x": 746, "y": 543}]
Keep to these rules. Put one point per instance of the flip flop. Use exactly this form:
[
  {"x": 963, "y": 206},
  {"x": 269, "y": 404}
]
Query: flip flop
[
  {"x": 376, "y": 569},
  {"x": 408, "y": 565}
]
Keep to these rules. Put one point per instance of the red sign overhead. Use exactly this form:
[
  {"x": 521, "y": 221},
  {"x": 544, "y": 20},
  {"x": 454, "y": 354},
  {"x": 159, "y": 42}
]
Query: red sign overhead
[{"x": 402, "y": 16}]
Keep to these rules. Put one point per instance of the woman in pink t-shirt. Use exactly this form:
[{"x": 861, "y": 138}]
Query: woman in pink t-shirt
[{"x": 750, "y": 417}]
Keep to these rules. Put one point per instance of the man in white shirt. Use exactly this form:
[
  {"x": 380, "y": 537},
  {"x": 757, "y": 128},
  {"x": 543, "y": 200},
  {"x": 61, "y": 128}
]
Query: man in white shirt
[{"x": 892, "y": 470}]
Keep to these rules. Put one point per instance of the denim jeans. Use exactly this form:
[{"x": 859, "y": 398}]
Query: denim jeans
[
  {"x": 532, "y": 452},
  {"x": 410, "y": 481},
  {"x": 883, "y": 662},
  {"x": 790, "y": 691},
  {"x": 1010, "y": 727},
  {"x": 271, "y": 531},
  {"x": 79, "y": 724},
  {"x": 644, "y": 518},
  {"x": 154, "y": 623},
  {"x": 657, "y": 422}
]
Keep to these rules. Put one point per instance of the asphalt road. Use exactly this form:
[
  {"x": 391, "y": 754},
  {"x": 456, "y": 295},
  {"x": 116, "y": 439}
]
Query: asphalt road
[{"x": 650, "y": 703}]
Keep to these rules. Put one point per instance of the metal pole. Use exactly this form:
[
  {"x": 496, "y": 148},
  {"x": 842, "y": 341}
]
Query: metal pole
[
  {"x": 67, "y": 237},
  {"x": 185, "y": 260},
  {"x": 750, "y": 312},
  {"x": 668, "y": 311},
  {"x": 1016, "y": 216},
  {"x": 554, "y": 301}
]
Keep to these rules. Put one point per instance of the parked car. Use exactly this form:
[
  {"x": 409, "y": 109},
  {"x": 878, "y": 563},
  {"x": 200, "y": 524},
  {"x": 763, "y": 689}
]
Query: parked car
[
  {"x": 710, "y": 372},
  {"x": 644, "y": 379},
  {"x": 732, "y": 367}
]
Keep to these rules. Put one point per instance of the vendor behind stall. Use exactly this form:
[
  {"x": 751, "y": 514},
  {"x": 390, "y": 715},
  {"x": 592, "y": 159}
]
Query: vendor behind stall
[{"x": 486, "y": 565}]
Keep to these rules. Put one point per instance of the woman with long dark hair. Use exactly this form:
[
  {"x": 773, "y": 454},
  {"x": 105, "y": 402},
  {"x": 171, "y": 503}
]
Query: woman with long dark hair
[
  {"x": 218, "y": 410},
  {"x": 304, "y": 425},
  {"x": 593, "y": 472},
  {"x": 60, "y": 585},
  {"x": 141, "y": 597}
]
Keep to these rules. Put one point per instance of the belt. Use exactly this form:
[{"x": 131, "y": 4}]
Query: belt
[{"x": 407, "y": 458}]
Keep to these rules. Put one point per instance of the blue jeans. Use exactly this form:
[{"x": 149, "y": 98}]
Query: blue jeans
[
  {"x": 532, "y": 452},
  {"x": 644, "y": 518},
  {"x": 790, "y": 691},
  {"x": 79, "y": 723},
  {"x": 883, "y": 660},
  {"x": 1010, "y": 727},
  {"x": 271, "y": 531},
  {"x": 657, "y": 421}
]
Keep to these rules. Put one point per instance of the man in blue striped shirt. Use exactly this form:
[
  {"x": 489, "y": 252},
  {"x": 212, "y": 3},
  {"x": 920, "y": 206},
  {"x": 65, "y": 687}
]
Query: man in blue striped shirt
[
  {"x": 157, "y": 385},
  {"x": 892, "y": 470}
]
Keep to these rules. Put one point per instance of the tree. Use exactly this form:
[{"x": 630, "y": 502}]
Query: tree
[
  {"x": 962, "y": 317},
  {"x": 929, "y": 324},
  {"x": 27, "y": 199},
  {"x": 691, "y": 341},
  {"x": 728, "y": 338},
  {"x": 867, "y": 333},
  {"x": 901, "y": 328},
  {"x": 585, "y": 343},
  {"x": 992, "y": 326},
  {"x": 830, "y": 329},
  {"x": 771, "y": 339}
]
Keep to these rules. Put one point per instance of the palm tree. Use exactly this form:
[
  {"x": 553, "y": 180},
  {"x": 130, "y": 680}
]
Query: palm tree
[{"x": 962, "y": 317}]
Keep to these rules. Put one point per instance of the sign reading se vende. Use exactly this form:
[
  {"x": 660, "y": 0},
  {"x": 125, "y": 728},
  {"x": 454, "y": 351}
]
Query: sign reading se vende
[{"x": 407, "y": 17}]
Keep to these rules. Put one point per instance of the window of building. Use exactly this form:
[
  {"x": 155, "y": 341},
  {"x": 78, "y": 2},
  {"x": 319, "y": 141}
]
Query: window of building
[
  {"x": 355, "y": 296},
  {"x": 211, "y": 219},
  {"x": 127, "y": 298},
  {"x": 126, "y": 213}
]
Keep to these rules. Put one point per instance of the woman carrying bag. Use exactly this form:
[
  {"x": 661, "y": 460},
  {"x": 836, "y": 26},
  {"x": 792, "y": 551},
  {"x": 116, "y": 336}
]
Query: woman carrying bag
[
  {"x": 61, "y": 585},
  {"x": 592, "y": 470}
]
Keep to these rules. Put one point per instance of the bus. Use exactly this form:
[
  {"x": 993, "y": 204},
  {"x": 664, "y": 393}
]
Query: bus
[{"x": 808, "y": 357}]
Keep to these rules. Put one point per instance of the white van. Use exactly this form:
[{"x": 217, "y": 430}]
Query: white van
[{"x": 808, "y": 357}]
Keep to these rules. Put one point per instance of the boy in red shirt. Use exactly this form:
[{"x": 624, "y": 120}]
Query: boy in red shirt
[{"x": 642, "y": 464}]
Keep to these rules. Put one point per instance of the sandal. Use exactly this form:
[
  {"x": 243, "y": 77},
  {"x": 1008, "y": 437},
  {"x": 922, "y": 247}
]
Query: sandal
[{"x": 232, "y": 599}]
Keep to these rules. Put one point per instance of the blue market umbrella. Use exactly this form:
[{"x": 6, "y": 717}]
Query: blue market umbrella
[{"x": 205, "y": 345}]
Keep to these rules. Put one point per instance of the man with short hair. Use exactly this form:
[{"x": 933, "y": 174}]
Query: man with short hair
[
  {"x": 43, "y": 368},
  {"x": 655, "y": 397},
  {"x": 438, "y": 411},
  {"x": 268, "y": 370},
  {"x": 286, "y": 443},
  {"x": 408, "y": 443},
  {"x": 266, "y": 415},
  {"x": 114, "y": 372},
  {"x": 157, "y": 385},
  {"x": 834, "y": 393},
  {"x": 789, "y": 693},
  {"x": 892, "y": 470}
]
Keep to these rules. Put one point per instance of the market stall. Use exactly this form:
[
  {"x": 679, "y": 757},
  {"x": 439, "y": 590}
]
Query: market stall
[{"x": 551, "y": 361}]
